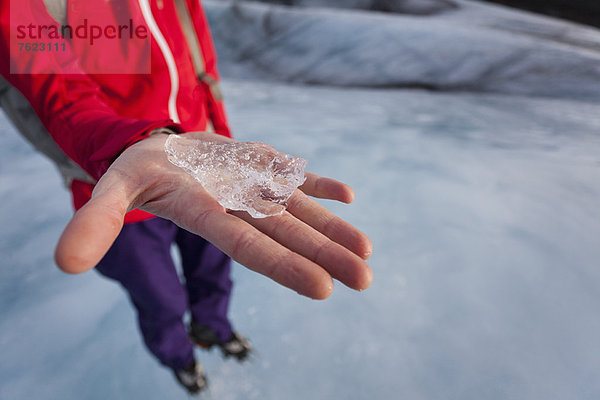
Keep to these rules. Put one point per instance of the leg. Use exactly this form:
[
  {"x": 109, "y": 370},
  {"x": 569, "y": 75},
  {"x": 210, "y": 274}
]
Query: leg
[
  {"x": 206, "y": 270},
  {"x": 140, "y": 260}
]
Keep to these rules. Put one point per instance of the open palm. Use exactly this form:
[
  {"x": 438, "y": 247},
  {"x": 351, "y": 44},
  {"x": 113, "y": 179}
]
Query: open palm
[{"x": 303, "y": 249}]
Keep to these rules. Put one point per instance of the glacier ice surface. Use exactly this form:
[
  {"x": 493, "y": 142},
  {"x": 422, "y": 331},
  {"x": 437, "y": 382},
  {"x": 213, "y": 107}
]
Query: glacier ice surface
[{"x": 244, "y": 176}]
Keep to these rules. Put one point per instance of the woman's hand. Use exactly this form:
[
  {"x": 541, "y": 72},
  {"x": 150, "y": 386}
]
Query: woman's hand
[{"x": 303, "y": 249}]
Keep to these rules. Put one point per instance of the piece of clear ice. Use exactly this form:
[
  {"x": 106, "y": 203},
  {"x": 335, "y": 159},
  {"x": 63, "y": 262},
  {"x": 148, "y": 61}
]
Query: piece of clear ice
[{"x": 246, "y": 176}]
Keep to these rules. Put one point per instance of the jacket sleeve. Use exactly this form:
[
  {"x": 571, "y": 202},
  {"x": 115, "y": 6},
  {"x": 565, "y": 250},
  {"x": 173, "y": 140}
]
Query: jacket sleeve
[{"x": 67, "y": 101}]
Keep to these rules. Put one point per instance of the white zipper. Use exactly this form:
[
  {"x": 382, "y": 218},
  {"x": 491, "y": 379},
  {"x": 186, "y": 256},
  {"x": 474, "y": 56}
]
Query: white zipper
[{"x": 167, "y": 54}]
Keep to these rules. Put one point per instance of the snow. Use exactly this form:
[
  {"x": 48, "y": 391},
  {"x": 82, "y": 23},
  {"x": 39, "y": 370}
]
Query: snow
[
  {"x": 475, "y": 47},
  {"x": 483, "y": 210},
  {"x": 415, "y": 7}
]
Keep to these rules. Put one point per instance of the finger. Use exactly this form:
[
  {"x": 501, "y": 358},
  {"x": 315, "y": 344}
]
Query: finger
[
  {"x": 255, "y": 250},
  {"x": 90, "y": 233},
  {"x": 326, "y": 188},
  {"x": 335, "y": 228},
  {"x": 294, "y": 234}
]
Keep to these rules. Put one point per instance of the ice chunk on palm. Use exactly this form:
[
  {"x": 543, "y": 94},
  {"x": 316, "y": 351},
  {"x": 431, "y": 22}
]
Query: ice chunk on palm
[{"x": 246, "y": 176}]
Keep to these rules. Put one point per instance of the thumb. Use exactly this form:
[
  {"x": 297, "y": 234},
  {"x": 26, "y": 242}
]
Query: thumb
[{"x": 92, "y": 230}]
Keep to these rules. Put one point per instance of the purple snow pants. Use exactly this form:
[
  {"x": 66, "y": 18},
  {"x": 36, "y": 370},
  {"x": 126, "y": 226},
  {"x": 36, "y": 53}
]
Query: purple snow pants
[{"x": 140, "y": 259}]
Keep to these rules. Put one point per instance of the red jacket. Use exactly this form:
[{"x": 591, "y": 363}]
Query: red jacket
[{"x": 97, "y": 98}]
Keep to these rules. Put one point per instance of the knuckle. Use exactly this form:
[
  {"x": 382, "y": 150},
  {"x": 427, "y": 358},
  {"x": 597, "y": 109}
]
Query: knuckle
[
  {"x": 329, "y": 225},
  {"x": 244, "y": 242},
  {"x": 200, "y": 220}
]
